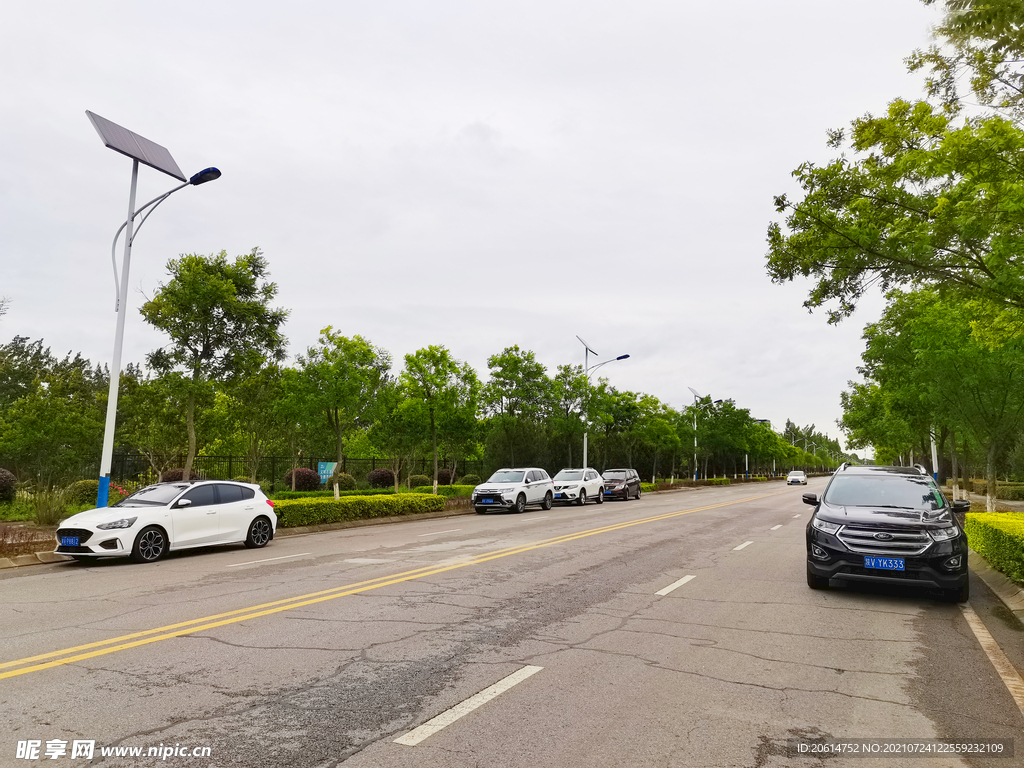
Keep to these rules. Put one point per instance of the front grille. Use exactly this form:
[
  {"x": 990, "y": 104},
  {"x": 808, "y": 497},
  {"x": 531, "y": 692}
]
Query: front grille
[
  {"x": 82, "y": 534},
  {"x": 862, "y": 571},
  {"x": 73, "y": 550},
  {"x": 900, "y": 542}
]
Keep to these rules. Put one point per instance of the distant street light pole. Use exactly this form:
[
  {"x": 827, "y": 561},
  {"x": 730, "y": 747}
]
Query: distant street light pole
[
  {"x": 140, "y": 150},
  {"x": 587, "y": 368},
  {"x": 697, "y": 397}
]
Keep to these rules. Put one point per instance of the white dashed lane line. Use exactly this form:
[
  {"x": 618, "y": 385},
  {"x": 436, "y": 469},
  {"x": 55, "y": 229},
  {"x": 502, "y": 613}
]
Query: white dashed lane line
[
  {"x": 432, "y": 726},
  {"x": 674, "y": 585},
  {"x": 268, "y": 560},
  {"x": 742, "y": 546},
  {"x": 775, "y": 528},
  {"x": 438, "y": 533},
  {"x": 795, "y": 516}
]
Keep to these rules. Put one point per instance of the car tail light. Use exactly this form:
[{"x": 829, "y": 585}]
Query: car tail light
[{"x": 270, "y": 502}]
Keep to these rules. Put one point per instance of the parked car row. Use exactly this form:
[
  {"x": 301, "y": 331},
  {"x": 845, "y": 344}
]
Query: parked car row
[{"x": 517, "y": 489}]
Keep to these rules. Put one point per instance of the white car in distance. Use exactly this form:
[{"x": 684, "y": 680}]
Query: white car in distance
[
  {"x": 796, "y": 477},
  {"x": 514, "y": 490},
  {"x": 169, "y": 516},
  {"x": 576, "y": 486}
]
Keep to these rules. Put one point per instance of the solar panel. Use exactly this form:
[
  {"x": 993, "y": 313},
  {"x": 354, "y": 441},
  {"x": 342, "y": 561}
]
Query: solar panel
[{"x": 134, "y": 146}]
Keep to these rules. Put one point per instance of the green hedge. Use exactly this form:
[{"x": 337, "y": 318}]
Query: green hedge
[
  {"x": 999, "y": 538},
  {"x": 446, "y": 490},
  {"x": 1008, "y": 491},
  {"x": 293, "y": 513},
  {"x": 282, "y": 495}
]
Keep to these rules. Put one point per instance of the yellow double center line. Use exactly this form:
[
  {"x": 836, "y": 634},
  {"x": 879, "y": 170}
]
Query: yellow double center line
[{"x": 136, "y": 639}]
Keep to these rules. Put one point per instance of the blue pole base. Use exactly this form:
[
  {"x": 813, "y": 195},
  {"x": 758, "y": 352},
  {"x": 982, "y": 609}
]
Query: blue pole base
[{"x": 104, "y": 492}]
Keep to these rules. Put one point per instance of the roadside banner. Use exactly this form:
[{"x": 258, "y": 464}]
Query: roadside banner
[{"x": 326, "y": 469}]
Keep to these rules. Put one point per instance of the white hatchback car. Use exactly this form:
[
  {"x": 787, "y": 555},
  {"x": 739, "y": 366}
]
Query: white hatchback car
[
  {"x": 577, "y": 485},
  {"x": 515, "y": 490},
  {"x": 796, "y": 477},
  {"x": 170, "y": 516}
]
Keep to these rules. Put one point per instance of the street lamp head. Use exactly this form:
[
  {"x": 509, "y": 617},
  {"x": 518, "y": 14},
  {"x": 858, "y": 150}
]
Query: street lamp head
[
  {"x": 622, "y": 357},
  {"x": 205, "y": 175}
]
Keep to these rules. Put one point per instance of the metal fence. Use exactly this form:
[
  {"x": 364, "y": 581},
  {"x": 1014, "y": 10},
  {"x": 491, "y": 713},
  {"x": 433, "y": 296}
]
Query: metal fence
[{"x": 134, "y": 468}]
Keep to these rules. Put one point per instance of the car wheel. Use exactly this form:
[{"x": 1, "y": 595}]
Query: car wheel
[
  {"x": 520, "y": 503},
  {"x": 150, "y": 545},
  {"x": 548, "y": 500},
  {"x": 600, "y": 496},
  {"x": 259, "y": 533},
  {"x": 816, "y": 582},
  {"x": 582, "y": 498},
  {"x": 481, "y": 511},
  {"x": 960, "y": 595}
]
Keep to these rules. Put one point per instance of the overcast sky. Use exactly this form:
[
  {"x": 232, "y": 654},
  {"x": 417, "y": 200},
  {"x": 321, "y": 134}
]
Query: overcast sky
[{"x": 472, "y": 174}]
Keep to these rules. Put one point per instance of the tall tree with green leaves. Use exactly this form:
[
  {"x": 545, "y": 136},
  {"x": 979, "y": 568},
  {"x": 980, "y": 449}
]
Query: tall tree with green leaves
[
  {"x": 435, "y": 378},
  {"x": 152, "y": 417},
  {"x": 220, "y": 321},
  {"x": 341, "y": 377},
  {"x": 515, "y": 396}
]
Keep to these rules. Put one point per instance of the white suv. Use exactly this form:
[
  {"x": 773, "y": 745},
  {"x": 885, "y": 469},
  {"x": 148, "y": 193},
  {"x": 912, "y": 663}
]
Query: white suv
[
  {"x": 578, "y": 485},
  {"x": 514, "y": 489}
]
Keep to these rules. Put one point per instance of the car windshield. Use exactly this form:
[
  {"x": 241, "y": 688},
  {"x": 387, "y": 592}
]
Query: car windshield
[
  {"x": 901, "y": 492},
  {"x": 613, "y": 475},
  {"x": 796, "y": 474},
  {"x": 153, "y": 495},
  {"x": 506, "y": 476},
  {"x": 569, "y": 474}
]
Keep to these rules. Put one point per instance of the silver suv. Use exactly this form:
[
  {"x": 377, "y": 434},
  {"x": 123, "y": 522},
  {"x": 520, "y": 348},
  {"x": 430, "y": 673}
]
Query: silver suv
[{"x": 515, "y": 490}]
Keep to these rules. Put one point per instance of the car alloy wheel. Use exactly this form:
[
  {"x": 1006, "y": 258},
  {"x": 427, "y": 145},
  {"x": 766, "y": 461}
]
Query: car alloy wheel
[
  {"x": 600, "y": 496},
  {"x": 582, "y": 498},
  {"x": 150, "y": 545},
  {"x": 548, "y": 500},
  {"x": 520, "y": 503},
  {"x": 259, "y": 533}
]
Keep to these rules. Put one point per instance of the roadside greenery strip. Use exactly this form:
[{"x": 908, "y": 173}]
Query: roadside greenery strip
[
  {"x": 451, "y": 491},
  {"x": 293, "y": 513},
  {"x": 999, "y": 538},
  {"x": 329, "y": 494}
]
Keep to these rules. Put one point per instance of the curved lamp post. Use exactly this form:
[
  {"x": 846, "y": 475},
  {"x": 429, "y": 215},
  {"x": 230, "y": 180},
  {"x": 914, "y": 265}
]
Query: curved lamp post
[
  {"x": 697, "y": 397},
  {"x": 586, "y": 406},
  {"x": 140, "y": 150}
]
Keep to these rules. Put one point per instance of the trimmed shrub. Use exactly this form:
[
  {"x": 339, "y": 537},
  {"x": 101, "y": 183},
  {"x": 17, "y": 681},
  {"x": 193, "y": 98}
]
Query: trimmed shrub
[
  {"x": 418, "y": 481},
  {"x": 648, "y": 487},
  {"x": 444, "y": 477},
  {"x": 381, "y": 478},
  {"x": 330, "y": 494},
  {"x": 999, "y": 538},
  {"x": 449, "y": 491},
  {"x": 172, "y": 475},
  {"x": 344, "y": 481},
  {"x": 306, "y": 479},
  {"x": 473, "y": 480},
  {"x": 84, "y": 492},
  {"x": 7, "y": 486},
  {"x": 319, "y": 511}
]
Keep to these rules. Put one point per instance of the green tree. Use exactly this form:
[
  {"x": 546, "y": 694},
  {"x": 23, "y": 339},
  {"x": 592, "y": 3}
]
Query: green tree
[
  {"x": 221, "y": 326},
  {"x": 923, "y": 202},
  {"x": 515, "y": 396},
  {"x": 151, "y": 417},
  {"x": 341, "y": 377},
  {"x": 441, "y": 383}
]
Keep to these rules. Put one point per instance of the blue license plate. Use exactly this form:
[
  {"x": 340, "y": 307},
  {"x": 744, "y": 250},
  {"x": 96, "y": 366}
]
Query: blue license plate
[
  {"x": 69, "y": 541},
  {"x": 486, "y": 501},
  {"x": 885, "y": 563},
  {"x": 558, "y": 495}
]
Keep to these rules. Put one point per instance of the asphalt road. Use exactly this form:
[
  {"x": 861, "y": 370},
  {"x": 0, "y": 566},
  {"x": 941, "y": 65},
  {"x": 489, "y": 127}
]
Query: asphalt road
[{"x": 324, "y": 649}]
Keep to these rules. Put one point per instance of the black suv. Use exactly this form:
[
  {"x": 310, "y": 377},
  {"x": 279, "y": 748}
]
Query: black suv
[{"x": 890, "y": 525}]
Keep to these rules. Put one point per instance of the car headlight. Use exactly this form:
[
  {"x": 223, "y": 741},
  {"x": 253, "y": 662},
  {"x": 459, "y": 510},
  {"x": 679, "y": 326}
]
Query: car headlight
[
  {"x": 124, "y": 522},
  {"x": 571, "y": 486},
  {"x": 944, "y": 534},
  {"x": 825, "y": 525}
]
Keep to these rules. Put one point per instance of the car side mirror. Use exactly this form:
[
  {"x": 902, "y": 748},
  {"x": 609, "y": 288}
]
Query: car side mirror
[
  {"x": 961, "y": 505},
  {"x": 810, "y": 498},
  {"x": 183, "y": 503}
]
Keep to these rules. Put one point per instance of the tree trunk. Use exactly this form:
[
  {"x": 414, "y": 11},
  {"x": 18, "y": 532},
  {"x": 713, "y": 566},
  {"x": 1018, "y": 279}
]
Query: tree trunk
[
  {"x": 956, "y": 465},
  {"x": 433, "y": 438},
  {"x": 190, "y": 422},
  {"x": 990, "y": 479}
]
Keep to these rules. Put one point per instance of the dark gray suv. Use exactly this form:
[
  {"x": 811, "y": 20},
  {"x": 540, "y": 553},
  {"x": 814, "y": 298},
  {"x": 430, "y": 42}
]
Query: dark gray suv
[{"x": 890, "y": 525}]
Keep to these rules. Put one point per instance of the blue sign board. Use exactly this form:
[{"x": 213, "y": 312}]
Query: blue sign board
[{"x": 326, "y": 469}]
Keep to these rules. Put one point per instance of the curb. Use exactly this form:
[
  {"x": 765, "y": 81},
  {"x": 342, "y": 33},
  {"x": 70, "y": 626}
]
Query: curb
[
  {"x": 37, "y": 558},
  {"x": 1009, "y": 593}
]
